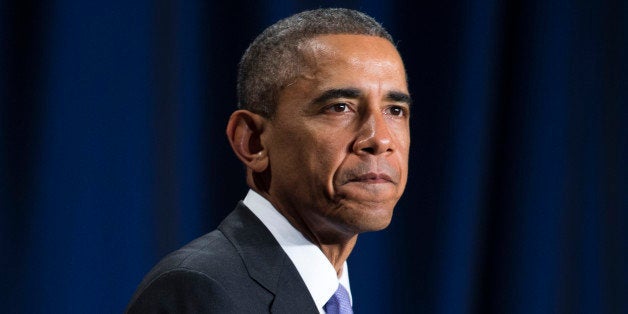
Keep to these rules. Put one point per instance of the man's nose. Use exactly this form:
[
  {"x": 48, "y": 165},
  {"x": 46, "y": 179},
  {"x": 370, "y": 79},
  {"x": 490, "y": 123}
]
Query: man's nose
[{"x": 374, "y": 136}]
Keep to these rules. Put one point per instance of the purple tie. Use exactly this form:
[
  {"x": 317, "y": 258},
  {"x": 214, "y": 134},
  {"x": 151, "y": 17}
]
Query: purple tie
[{"x": 339, "y": 303}]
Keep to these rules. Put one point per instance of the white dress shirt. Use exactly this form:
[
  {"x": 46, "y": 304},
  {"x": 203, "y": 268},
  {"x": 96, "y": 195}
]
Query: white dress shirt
[{"x": 315, "y": 269}]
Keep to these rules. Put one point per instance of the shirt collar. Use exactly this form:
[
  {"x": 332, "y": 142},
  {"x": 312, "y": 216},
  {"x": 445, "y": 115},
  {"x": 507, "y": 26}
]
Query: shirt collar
[{"x": 315, "y": 269}]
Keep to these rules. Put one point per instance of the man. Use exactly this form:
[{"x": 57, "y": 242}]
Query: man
[{"x": 323, "y": 130}]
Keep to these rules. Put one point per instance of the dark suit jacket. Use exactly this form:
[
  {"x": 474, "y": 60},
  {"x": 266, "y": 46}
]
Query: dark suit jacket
[{"x": 238, "y": 268}]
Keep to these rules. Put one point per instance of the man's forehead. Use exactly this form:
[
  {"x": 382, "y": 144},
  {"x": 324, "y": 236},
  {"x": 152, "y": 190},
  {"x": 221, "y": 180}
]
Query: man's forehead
[{"x": 348, "y": 50}]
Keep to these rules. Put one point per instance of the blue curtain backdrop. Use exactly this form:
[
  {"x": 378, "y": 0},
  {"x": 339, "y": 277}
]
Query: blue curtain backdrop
[{"x": 112, "y": 151}]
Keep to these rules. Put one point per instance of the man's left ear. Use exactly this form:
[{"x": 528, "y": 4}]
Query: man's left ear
[{"x": 244, "y": 132}]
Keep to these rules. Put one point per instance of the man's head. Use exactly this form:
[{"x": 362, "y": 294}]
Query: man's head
[
  {"x": 330, "y": 151},
  {"x": 273, "y": 59}
]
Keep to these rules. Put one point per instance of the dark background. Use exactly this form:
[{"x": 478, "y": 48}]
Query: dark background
[{"x": 112, "y": 151}]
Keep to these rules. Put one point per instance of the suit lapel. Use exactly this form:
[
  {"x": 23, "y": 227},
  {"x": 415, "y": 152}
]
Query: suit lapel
[
  {"x": 292, "y": 295},
  {"x": 266, "y": 262}
]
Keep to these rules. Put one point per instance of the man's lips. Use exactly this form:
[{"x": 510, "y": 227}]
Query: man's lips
[
  {"x": 373, "y": 172},
  {"x": 372, "y": 177}
]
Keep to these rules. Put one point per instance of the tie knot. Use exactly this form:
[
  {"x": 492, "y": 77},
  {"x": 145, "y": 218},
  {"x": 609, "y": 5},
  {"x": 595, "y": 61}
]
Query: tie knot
[{"x": 339, "y": 303}]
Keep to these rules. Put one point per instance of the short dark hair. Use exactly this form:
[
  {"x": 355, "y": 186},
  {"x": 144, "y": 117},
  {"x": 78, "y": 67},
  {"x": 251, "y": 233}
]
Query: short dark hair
[{"x": 273, "y": 58}]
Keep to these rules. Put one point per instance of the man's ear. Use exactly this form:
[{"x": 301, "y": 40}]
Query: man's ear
[{"x": 244, "y": 132}]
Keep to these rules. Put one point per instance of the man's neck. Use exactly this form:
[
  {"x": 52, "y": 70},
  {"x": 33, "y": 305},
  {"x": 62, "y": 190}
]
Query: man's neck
[{"x": 338, "y": 253}]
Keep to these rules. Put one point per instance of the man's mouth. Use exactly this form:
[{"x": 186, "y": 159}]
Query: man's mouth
[{"x": 372, "y": 177}]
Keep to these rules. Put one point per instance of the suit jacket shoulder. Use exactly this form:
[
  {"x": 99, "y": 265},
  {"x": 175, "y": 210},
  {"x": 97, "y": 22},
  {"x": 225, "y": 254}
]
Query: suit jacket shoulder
[{"x": 238, "y": 268}]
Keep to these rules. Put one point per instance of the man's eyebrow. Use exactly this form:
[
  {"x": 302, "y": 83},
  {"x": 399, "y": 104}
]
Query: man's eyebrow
[
  {"x": 397, "y": 96},
  {"x": 351, "y": 93}
]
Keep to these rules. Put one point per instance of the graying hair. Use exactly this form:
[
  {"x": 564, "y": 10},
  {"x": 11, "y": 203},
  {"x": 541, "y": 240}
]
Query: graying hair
[{"x": 273, "y": 59}]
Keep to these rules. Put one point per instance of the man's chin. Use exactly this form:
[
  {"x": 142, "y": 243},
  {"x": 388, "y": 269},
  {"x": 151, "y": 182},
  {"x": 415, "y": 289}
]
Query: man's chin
[
  {"x": 368, "y": 217},
  {"x": 373, "y": 225}
]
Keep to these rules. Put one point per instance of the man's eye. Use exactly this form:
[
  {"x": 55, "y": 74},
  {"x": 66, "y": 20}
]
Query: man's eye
[
  {"x": 396, "y": 111},
  {"x": 340, "y": 107}
]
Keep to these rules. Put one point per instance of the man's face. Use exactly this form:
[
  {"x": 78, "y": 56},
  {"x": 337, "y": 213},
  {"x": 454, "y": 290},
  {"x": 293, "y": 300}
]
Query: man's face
[{"x": 338, "y": 142}]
